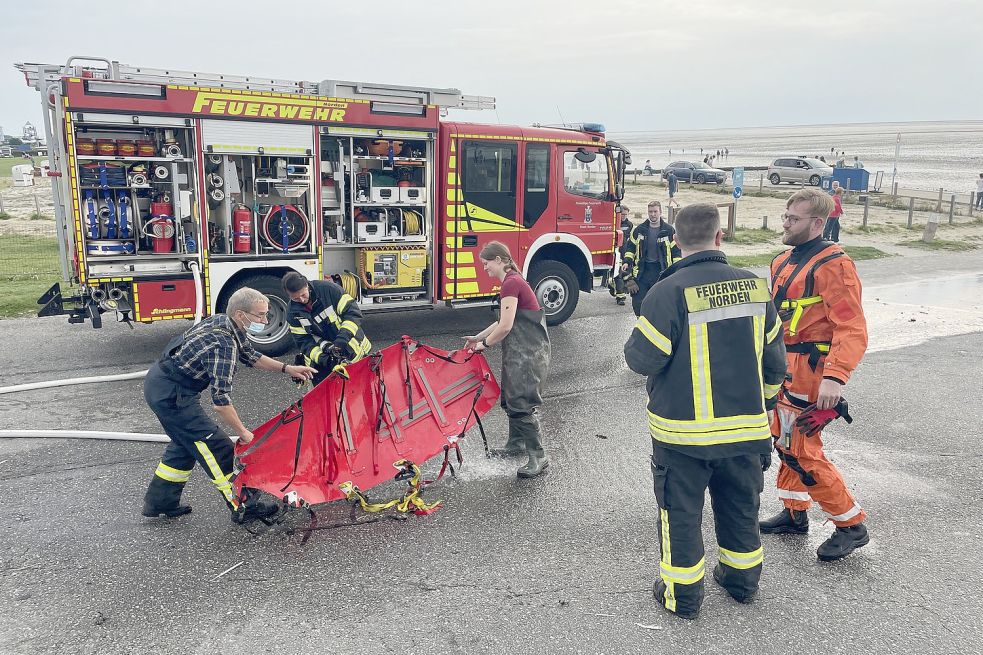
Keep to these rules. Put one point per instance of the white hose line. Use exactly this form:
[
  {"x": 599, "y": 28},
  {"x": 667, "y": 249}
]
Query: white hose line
[
  {"x": 199, "y": 296},
  {"x": 83, "y": 434},
  {"x": 30, "y": 386}
]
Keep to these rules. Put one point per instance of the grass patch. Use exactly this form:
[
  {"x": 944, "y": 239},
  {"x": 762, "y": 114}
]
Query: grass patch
[
  {"x": 872, "y": 229},
  {"x": 4, "y": 216},
  {"x": 858, "y": 253},
  {"x": 750, "y": 236},
  {"x": 7, "y": 164},
  {"x": 939, "y": 244},
  {"x": 19, "y": 298},
  {"x": 752, "y": 261},
  {"x": 35, "y": 216},
  {"x": 28, "y": 267}
]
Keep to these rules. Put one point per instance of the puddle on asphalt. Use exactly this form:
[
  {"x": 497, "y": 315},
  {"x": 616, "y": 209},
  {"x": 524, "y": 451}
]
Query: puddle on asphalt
[{"x": 957, "y": 292}]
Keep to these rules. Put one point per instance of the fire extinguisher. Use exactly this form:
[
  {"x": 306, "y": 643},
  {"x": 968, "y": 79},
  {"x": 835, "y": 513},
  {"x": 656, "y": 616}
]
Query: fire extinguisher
[{"x": 242, "y": 225}]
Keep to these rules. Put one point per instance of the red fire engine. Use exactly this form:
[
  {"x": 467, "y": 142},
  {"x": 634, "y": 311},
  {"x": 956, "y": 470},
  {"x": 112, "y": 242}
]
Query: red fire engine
[{"x": 173, "y": 189}]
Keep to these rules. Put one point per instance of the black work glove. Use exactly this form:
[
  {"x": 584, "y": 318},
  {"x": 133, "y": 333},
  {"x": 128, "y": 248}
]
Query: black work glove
[
  {"x": 632, "y": 286},
  {"x": 765, "y": 460},
  {"x": 339, "y": 349}
]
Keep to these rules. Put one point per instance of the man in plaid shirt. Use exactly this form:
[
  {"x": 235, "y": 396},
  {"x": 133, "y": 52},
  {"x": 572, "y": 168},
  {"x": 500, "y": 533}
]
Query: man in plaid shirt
[{"x": 206, "y": 355}]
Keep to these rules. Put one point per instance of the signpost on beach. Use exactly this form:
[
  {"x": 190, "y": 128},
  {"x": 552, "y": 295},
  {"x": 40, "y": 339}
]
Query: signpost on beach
[
  {"x": 897, "y": 151},
  {"x": 738, "y": 177}
]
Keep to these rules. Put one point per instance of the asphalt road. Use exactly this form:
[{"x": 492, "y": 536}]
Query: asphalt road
[{"x": 562, "y": 564}]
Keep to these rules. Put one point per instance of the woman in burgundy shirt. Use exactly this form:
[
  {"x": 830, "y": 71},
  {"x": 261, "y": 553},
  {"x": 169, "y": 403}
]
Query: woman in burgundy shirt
[{"x": 521, "y": 329}]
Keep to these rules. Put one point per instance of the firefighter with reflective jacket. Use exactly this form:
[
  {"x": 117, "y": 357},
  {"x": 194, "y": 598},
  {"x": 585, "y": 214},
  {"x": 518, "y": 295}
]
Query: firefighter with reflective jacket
[
  {"x": 615, "y": 279},
  {"x": 816, "y": 287},
  {"x": 325, "y": 323},
  {"x": 709, "y": 340},
  {"x": 648, "y": 251}
]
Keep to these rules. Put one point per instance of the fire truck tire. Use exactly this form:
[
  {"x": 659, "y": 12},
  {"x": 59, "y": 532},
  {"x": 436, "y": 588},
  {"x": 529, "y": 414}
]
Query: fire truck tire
[
  {"x": 275, "y": 339},
  {"x": 556, "y": 288}
]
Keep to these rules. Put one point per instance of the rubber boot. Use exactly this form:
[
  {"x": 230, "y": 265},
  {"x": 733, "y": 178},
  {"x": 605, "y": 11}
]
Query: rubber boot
[
  {"x": 718, "y": 577},
  {"x": 529, "y": 427},
  {"x": 164, "y": 498},
  {"x": 788, "y": 521},
  {"x": 842, "y": 542},
  {"x": 514, "y": 446}
]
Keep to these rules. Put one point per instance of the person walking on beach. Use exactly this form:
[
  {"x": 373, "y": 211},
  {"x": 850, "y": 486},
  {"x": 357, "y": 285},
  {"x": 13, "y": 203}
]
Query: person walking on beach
[
  {"x": 979, "y": 192},
  {"x": 857, "y": 163},
  {"x": 673, "y": 185}
]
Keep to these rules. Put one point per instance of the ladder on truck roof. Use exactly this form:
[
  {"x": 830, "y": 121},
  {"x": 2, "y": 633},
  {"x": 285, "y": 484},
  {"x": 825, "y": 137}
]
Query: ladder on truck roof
[{"x": 42, "y": 76}]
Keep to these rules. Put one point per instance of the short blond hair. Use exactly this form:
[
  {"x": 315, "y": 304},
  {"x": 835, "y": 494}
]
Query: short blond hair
[
  {"x": 820, "y": 204},
  {"x": 655, "y": 203}
]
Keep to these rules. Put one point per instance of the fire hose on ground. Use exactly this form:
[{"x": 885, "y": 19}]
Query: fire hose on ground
[{"x": 95, "y": 434}]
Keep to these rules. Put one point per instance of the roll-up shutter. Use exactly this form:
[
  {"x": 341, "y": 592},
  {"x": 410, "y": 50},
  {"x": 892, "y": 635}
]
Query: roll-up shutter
[{"x": 248, "y": 137}]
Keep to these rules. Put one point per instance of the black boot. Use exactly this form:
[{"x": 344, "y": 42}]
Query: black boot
[
  {"x": 659, "y": 591},
  {"x": 843, "y": 542},
  {"x": 255, "y": 507},
  {"x": 514, "y": 446},
  {"x": 788, "y": 521},
  {"x": 718, "y": 577},
  {"x": 164, "y": 497},
  {"x": 170, "y": 512}
]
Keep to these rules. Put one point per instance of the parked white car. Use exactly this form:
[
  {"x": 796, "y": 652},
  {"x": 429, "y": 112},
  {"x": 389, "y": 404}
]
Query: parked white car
[{"x": 798, "y": 169}]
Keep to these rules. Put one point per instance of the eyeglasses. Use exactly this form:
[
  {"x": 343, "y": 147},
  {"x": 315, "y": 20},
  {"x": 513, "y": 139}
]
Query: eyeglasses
[
  {"x": 792, "y": 220},
  {"x": 264, "y": 315}
]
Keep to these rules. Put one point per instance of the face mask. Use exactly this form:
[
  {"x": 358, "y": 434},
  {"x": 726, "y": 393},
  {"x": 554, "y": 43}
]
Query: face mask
[{"x": 255, "y": 327}]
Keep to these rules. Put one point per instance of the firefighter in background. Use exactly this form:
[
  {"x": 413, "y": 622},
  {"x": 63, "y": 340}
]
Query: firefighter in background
[
  {"x": 207, "y": 354},
  {"x": 649, "y": 250},
  {"x": 709, "y": 340},
  {"x": 325, "y": 322},
  {"x": 817, "y": 290},
  {"x": 615, "y": 280}
]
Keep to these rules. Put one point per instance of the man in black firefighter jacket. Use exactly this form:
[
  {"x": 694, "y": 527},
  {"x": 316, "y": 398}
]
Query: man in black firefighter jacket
[
  {"x": 649, "y": 250},
  {"x": 325, "y": 323},
  {"x": 710, "y": 341}
]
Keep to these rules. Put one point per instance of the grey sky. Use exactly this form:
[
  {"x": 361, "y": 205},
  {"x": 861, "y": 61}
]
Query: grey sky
[{"x": 631, "y": 64}]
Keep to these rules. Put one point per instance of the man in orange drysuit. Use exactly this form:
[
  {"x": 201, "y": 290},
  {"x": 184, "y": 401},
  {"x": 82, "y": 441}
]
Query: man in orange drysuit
[{"x": 818, "y": 293}]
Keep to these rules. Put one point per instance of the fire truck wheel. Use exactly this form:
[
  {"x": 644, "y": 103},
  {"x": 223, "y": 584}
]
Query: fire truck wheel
[
  {"x": 556, "y": 288},
  {"x": 275, "y": 339}
]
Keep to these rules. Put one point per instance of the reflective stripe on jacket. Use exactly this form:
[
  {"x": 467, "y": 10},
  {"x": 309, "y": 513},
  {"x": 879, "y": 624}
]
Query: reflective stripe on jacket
[
  {"x": 709, "y": 340},
  {"x": 332, "y": 314},
  {"x": 637, "y": 243}
]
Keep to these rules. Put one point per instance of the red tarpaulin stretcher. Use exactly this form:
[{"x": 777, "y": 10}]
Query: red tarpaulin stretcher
[{"x": 398, "y": 407}]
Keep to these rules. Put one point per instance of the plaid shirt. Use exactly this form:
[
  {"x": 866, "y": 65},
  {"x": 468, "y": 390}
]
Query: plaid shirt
[{"x": 210, "y": 352}]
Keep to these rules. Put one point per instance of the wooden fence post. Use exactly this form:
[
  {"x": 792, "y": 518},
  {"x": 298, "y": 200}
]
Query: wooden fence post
[
  {"x": 952, "y": 207},
  {"x": 866, "y": 209},
  {"x": 938, "y": 207},
  {"x": 911, "y": 210}
]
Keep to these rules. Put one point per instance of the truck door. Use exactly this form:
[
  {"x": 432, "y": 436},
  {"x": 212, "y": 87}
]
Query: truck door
[
  {"x": 482, "y": 207},
  {"x": 585, "y": 198}
]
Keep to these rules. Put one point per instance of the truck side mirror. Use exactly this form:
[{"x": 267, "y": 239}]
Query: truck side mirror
[{"x": 584, "y": 156}]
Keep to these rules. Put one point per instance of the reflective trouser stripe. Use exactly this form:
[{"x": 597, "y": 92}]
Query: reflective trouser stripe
[
  {"x": 172, "y": 474},
  {"x": 670, "y": 595},
  {"x": 221, "y": 480},
  {"x": 796, "y": 495},
  {"x": 738, "y": 560},
  {"x": 683, "y": 574},
  {"x": 845, "y": 516}
]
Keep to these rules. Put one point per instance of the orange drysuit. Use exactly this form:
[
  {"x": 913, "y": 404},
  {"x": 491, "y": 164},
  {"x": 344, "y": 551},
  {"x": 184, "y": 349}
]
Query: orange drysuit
[{"x": 818, "y": 292}]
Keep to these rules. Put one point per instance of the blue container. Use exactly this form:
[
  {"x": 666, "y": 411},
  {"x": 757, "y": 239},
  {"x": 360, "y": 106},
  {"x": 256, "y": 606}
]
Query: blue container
[{"x": 858, "y": 178}]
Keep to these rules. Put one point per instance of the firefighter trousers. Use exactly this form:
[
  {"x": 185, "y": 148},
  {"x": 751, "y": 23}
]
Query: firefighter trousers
[
  {"x": 806, "y": 474},
  {"x": 735, "y": 485},
  {"x": 645, "y": 280},
  {"x": 194, "y": 438}
]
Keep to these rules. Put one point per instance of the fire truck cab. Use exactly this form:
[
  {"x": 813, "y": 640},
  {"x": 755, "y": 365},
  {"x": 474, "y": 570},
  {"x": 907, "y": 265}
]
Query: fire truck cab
[{"x": 173, "y": 189}]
